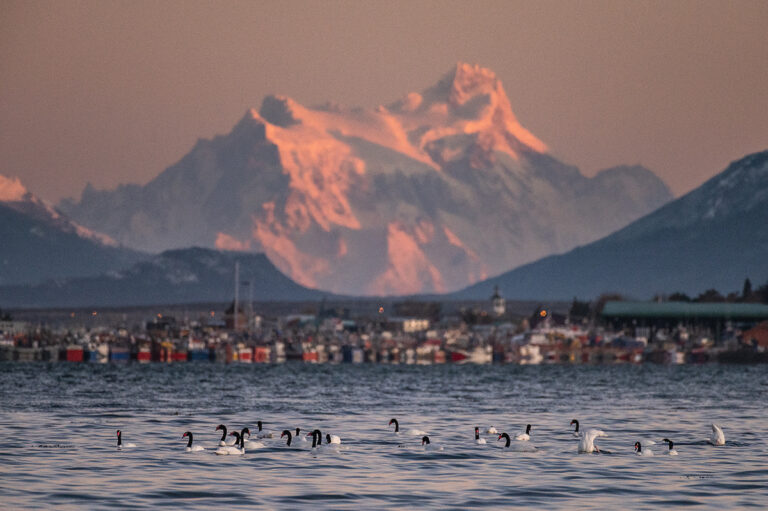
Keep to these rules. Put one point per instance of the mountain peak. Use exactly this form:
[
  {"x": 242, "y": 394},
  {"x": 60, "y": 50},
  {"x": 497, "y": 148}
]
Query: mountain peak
[
  {"x": 468, "y": 80},
  {"x": 11, "y": 189}
]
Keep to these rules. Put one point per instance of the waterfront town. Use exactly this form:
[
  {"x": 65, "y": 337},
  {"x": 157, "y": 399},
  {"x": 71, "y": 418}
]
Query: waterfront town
[{"x": 405, "y": 332}]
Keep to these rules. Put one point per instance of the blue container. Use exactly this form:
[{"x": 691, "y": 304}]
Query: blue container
[
  {"x": 198, "y": 355},
  {"x": 119, "y": 355}
]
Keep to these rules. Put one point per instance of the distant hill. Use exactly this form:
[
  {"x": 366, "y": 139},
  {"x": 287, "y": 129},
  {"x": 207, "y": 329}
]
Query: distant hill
[
  {"x": 37, "y": 242},
  {"x": 174, "y": 277},
  {"x": 713, "y": 237},
  {"x": 427, "y": 194}
]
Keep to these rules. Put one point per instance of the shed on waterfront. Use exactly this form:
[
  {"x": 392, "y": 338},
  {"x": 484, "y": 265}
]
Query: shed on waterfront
[{"x": 669, "y": 315}]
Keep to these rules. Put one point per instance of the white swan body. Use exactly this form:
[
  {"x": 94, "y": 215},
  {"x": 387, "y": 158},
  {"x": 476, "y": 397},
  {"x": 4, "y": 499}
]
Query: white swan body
[
  {"x": 263, "y": 433},
  {"x": 718, "y": 437},
  {"x": 587, "y": 442},
  {"x": 229, "y": 450},
  {"x": 525, "y": 435},
  {"x": 254, "y": 444},
  {"x": 492, "y": 431}
]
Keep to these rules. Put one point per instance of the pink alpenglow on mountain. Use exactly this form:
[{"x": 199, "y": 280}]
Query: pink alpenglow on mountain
[
  {"x": 429, "y": 194},
  {"x": 11, "y": 189}
]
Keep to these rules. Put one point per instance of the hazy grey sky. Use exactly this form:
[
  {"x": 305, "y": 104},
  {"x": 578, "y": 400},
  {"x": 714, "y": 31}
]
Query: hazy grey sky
[{"x": 113, "y": 92}]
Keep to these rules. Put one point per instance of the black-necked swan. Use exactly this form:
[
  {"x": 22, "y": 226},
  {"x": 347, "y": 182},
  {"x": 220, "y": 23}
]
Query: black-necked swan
[
  {"x": 718, "y": 437},
  {"x": 492, "y": 431},
  {"x": 587, "y": 442},
  {"x": 317, "y": 440},
  {"x": 478, "y": 440},
  {"x": 190, "y": 447},
  {"x": 224, "y": 441},
  {"x": 640, "y": 452},
  {"x": 263, "y": 433},
  {"x": 120, "y": 444},
  {"x": 289, "y": 435},
  {"x": 671, "y": 451},
  {"x": 428, "y": 446},
  {"x": 332, "y": 439},
  {"x": 299, "y": 437},
  {"x": 524, "y": 437},
  {"x": 576, "y": 431},
  {"x": 517, "y": 446},
  {"x": 412, "y": 432},
  {"x": 238, "y": 448}
]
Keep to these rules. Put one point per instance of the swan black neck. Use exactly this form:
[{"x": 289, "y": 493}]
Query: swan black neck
[
  {"x": 425, "y": 440},
  {"x": 258, "y": 423},
  {"x": 289, "y": 435},
  {"x": 189, "y": 434},
  {"x": 317, "y": 435},
  {"x": 506, "y": 437},
  {"x": 528, "y": 429},
  {"x": 397, "y": 425},
  {"x": 327, "y": 438},
  {"x": 477, "y": 433},
  {"x": 223, "y": 429},
  {"x": 243, "y": 432},
  {"x": 119, "y": 438},
  {"x": 574, "y": 421},
  {"x": 298, "y": 430},
  {"x": 667, "y": 440},
  {"x": 238, "y": 438}
]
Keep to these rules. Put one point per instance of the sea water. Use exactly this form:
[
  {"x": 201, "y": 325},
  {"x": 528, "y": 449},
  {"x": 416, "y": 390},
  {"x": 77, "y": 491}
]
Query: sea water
[{"x": 58, "y": 436}]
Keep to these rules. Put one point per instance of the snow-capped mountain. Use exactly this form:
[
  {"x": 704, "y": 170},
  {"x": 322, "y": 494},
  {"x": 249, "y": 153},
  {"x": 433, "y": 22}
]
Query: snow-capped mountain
[
  {"x": 37, "y": 242},
  {"x": 428, "y": 194},
  {"x": 713, "y": 237},
  {"x": 192, "y": 275}
]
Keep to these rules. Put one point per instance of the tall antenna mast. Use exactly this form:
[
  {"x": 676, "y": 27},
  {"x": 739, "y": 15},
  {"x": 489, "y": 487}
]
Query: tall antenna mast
[{"x": 237, "y": 292}]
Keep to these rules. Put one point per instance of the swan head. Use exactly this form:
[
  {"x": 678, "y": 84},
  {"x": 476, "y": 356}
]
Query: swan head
[
  {"x": 221, "y": 427},
  {"x": 119, "y": 433},
  {"x": 245, "y": 431},
  {"x": 425, "y": 440},
  {"x": 527, "y": 429},
  {"x": 186, "y": 434},
  {"x": 638, "y": 447},
  {"x": 328, "y": 438},
  {"x": 574, "y": 421},
  {"x": 298, "y": 430},
  {"x": 668, "y": 441}
]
